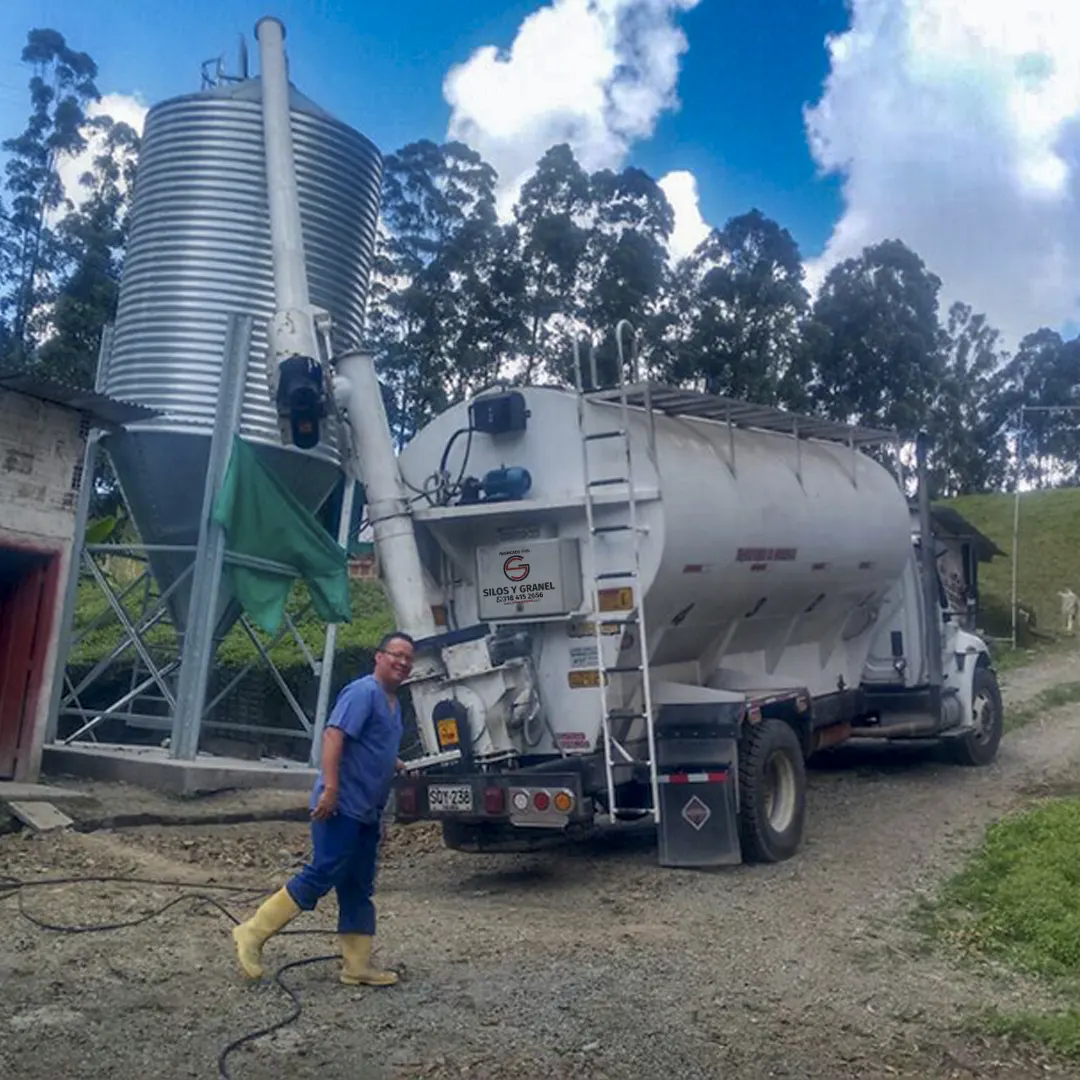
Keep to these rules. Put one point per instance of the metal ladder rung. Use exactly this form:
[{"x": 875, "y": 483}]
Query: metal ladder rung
[
  {"x": 611, "y": 575},
  {"x": 622, "y": 670},
  {"x": 608, "y": 481},
  {"x": 619, "y": 434},
  {"x": 599, "y": 529},
  {"x": 618, "y": 714}
]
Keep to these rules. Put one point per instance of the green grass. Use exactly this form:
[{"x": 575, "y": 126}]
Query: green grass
[
  {"x": 1058, "y": 1031},
  {"x": 1017, "y": 902},
  {"x": 371, "y": 618},
  {"x": 1044, "y": 701},
  {"x": 1049, "y": 553}
]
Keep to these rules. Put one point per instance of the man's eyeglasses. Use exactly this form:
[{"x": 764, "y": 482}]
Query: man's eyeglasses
[{"x": 402, "y": 658}]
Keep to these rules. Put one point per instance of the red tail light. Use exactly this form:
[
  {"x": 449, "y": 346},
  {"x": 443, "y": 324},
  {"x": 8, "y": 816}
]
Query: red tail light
[
  {"x": 541, "y": 800},
  {"x": 494, "y": 800},
  {"x": 406, "y": 799}
]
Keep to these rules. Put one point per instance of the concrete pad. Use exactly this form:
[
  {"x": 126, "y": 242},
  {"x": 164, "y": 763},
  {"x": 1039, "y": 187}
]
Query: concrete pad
[
  {"x": 10, "y": 790},
  {"x": 40, "y": 816},
  {"x": 151, "y": 767}
]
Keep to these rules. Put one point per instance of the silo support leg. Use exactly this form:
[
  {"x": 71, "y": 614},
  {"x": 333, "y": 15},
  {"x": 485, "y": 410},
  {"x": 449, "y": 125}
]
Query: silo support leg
[{"x": 210, "y": 553}]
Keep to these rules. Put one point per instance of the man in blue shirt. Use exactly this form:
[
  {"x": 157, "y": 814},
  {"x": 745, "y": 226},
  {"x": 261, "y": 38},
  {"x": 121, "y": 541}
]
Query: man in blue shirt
[{"x": 359, "y": 758}]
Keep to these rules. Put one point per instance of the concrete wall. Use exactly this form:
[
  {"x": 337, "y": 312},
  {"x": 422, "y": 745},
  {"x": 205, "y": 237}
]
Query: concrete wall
[
  {"x": 41, "y": 453},
  {"x": 41, "y": 456}
]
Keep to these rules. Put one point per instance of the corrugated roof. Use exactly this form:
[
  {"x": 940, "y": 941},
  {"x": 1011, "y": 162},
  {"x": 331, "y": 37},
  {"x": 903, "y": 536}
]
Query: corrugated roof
[
  {"x": 955, "y": 522},
  {"x": 101, "y": 407},
  {"x": 949, "y": 521}
]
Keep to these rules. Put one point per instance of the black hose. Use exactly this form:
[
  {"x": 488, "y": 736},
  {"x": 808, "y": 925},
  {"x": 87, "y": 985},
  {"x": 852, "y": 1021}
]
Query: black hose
[
  {"x": 223, "y": 1070},
  {"x": 11, "y": 886},
  {"x": 454, "y": 488}
]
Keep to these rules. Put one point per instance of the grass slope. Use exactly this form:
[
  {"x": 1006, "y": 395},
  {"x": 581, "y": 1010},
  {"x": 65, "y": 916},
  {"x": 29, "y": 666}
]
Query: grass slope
[
  {"x": 371, "y": 618},
  {"x": 1016, "y": 902},
  {"x": 1049, "y": 553}
]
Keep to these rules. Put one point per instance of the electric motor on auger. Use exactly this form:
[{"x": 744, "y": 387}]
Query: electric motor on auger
[{"x": 635, "y": 602}]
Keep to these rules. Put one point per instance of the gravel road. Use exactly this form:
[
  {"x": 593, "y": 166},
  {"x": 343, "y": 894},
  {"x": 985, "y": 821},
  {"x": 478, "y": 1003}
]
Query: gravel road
[{"x": 588, "y": 963}]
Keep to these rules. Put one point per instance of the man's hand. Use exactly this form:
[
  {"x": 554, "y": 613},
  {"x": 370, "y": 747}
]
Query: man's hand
[
  {"x": 326, "y": 807},
  {"x": 399, "y": 765}
]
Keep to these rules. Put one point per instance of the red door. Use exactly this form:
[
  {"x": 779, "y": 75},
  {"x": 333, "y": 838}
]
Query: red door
[{"x": 25, "y": 620}]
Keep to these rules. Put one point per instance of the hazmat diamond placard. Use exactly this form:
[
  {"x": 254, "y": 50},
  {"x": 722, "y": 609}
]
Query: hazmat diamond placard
[{"x": 696, "y": 813}]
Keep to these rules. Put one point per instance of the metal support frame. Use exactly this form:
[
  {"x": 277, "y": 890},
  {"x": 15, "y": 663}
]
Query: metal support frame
[
  {"x": 322, "y": 705},
  {"x": 134, "y": 637},
  {"x": 177, "y": 686},
  {"x": 82, "y": 513},
  {"x": 210, "y": 554}
]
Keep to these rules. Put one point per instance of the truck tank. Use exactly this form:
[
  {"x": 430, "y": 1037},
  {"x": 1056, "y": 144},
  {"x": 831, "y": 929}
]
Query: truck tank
[
  {"x": 199, "y": 248},
  {"x": 764, "y": 559}
]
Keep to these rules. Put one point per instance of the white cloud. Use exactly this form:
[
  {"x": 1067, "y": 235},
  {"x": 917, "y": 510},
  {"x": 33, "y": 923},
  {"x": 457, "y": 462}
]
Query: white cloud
[
  {"x": 596, "y": 74},
  {"x": 681, "y": 190},
  {"x": 956, "y": 124},
  {"x": 123, "y": 108}
]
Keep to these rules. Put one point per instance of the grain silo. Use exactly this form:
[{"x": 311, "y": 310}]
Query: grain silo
[{"x": 199, "y": 248}]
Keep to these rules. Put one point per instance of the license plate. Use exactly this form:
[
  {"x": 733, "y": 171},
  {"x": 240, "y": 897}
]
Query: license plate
[{"x": 455, "y": 798}]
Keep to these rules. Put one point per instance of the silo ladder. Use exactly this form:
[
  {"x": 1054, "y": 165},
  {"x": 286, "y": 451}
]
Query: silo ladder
[{"x": 626, "y": 570}]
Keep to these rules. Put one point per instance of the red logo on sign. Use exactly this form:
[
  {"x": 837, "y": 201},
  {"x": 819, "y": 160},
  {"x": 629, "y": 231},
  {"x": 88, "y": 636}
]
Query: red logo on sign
[{"x": 515, "y": 568}]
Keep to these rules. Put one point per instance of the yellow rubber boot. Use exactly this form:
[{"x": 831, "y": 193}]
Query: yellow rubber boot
[
  {"x": 357, "y": 969},
  {"x": 275, "y": 913}
]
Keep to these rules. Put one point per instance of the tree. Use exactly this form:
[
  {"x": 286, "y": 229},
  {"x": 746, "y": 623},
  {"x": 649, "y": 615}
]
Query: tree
[
  {"x": 552, "y": 236},
  {"x": 593, "y": 250},
  {"x": 967, "y": 429},
  {"x": 877, "y": 357},
  {"x": 440, "y": 328},
  {"x": 736, "y": 314},
  {"x": 1045, "y": 374},
  {"x": 61, "y": 86},
  {"x": 623, "y": 272},
  {"x": 90, "y": 242}
]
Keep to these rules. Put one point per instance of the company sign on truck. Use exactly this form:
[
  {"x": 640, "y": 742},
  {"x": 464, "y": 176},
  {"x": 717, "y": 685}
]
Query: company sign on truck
[{"x": 541, "y": 577}]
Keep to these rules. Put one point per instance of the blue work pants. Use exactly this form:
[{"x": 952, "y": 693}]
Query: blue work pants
[{"x": 344, "y": 859}]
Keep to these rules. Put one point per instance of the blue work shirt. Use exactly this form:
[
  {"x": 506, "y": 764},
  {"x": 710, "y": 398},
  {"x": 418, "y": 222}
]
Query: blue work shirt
[{"x": 369, "y": 753}]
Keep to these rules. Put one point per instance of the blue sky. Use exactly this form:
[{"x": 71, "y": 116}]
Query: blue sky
[
  {"x": 951, "y": 124},
  {"x": 745, "y": 77}
]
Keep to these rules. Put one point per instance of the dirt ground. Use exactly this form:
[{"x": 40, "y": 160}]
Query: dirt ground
[{"x": 588, "y": 963}]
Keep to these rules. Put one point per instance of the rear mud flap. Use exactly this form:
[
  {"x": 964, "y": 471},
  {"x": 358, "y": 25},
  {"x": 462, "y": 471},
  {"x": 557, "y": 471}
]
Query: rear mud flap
[
  {"x": 698, "y": 769},
  {"x": 699, "y": 819}
]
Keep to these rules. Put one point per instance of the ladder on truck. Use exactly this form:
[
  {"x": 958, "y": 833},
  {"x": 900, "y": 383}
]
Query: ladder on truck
[{"x": 618, "y": 569}]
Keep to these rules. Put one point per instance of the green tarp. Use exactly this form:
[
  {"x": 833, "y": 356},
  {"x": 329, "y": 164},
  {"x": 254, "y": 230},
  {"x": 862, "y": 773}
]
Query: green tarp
[{"x": 264, "y": 520}]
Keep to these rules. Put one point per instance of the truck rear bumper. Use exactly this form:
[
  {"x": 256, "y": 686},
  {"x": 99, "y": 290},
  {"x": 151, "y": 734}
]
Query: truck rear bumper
[{"x": 542, "y": 800}]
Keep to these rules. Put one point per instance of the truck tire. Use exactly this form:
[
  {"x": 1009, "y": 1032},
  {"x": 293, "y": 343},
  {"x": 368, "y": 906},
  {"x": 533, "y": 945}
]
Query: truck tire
[
  {"x": 980, "y": 746},
  {"x": 772, "y": 792}
]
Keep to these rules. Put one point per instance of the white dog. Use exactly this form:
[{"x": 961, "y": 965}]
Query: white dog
[{"x": 1070, "y": 608}]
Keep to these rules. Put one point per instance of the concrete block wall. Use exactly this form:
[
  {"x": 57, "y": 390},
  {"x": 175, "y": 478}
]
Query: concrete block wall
[{"x": 41, "y": 455}]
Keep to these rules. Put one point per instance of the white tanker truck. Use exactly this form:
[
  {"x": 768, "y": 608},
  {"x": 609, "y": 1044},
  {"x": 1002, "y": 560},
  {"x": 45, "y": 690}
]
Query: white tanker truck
[
  {"x": 634, "y": 603},
  {"x": 656, "y": 603}
]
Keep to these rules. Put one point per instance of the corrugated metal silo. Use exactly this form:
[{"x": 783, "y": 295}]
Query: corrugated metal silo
[{"x": 198, "y": 249}]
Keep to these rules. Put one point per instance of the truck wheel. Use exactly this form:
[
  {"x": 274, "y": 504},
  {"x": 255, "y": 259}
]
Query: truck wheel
[
  {"x": 980, "y": 745},
  {"x": 772, "y": 792}
]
